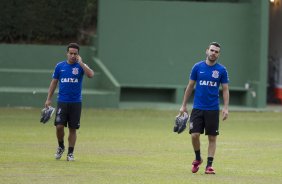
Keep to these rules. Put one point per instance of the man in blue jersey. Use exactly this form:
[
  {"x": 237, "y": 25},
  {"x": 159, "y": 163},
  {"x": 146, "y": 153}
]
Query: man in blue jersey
[
  {"x": 69, "y": 75},
  {"x": 207, "y": 75}
]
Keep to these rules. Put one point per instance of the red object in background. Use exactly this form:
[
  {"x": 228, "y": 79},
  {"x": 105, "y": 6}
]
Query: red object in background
[{"x": 278, "y": 92}]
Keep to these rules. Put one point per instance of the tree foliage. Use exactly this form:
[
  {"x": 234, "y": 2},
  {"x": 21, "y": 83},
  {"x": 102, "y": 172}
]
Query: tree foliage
[{"x": 47, "y": 21}]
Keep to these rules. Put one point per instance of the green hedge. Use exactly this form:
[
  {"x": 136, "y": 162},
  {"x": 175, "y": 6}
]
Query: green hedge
[{"x": 46, "y": 21}]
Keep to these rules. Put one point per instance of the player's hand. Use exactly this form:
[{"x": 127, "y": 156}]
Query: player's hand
[
  {"x": 183, "y": 109},
  {"x": 224, "y": 114},
  {"x": 79, "y": 59},
  {"x": 48, "y": 103}
]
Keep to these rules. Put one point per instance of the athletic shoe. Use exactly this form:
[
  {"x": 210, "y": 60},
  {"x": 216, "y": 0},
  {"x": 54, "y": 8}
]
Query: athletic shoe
[
  {"x": 46, "y": 114},
  {"x": 196, "y": 165},
  {"x": 59, "y": 153},
  {"x": 180, "y": 122},
  {"x": 209, "y": 170},
  {"x": 70, "y": 157}
]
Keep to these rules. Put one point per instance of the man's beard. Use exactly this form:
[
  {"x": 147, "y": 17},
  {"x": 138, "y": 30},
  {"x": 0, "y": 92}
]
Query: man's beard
[{"x": 212, "y": 59}]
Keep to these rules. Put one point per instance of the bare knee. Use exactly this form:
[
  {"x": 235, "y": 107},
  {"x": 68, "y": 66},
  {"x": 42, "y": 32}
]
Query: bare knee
[
  {"x": 60, "y": 128},
  {"x": 212, "y": 139},
  {"x": 72, "y": 131},
  {"x": 195, "y": 136}
]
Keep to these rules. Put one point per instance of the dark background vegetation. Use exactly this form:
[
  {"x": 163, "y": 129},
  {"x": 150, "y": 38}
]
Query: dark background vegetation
[{"x": 47, "y": 21}]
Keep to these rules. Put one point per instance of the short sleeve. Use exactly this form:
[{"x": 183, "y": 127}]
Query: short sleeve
[
  {"x": 193, "y": 74},
  {"x": 56, "y": 72},
  {"x": 224, "y": 78}
]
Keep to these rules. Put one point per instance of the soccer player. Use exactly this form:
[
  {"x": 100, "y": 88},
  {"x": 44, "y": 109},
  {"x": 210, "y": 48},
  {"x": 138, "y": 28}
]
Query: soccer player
[
  {"x": 207, "y": 75},
  {"x": 69, "y": 75}
]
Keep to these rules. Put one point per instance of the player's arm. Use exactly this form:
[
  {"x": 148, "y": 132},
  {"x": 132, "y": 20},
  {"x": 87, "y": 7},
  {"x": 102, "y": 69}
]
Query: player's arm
[
  {"x": 225, "y": 94},
  {"x": 88, "y": 71},
  {"x": 52, "y": 88},
  {"x": 187, "y": 94}
]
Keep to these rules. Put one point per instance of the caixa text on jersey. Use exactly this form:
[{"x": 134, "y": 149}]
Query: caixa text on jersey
[
  {"x": 208, "y": 83},
  {"x": 69, "y": 80}
]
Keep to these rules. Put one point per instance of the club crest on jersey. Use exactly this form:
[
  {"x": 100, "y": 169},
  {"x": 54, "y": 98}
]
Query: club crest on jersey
[
  {"x": 75, "y": 71},
  {"x": 215, "y": 74}
]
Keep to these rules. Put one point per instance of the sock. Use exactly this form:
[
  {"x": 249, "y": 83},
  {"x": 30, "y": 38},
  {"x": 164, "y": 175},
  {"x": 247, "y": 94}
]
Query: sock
[
  {"x": 61, "y": 144},
  {"x": 209, "y": 162},
  {"x": 198, "y": 155},
  {"x": 70, "y": 150}
]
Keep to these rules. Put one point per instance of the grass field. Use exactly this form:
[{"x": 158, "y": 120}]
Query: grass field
[{"x": 138, "y": 146}]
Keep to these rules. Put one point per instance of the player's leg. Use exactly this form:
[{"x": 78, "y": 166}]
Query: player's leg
[
  {"x": 72, "y": 141},
  {"x": 60, "y": 123},
  {"x": 60, "y": 137},
  {"x": 74, "y": 124},
  {"x": 196, "y": 146},
  {"x": 211, "y": 153},
  {"x": 60, "y": 133},
  {"x": 195, "y": 137},
  {"x": 212, "y": 126},
  {"x": 212, "y": 145},
  {"x": 196, "y": 127}
]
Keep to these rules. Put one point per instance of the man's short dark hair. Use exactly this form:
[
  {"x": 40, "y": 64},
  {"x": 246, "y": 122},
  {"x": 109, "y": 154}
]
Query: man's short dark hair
[
  {"x": 73, "y": 45},
  {"x": 215, "y": 44}
]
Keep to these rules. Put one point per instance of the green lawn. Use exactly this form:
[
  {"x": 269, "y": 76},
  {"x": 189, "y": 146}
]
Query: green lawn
[{"x": 138, "y": 146}]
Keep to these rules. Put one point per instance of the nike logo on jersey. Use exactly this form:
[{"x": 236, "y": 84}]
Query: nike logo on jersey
[{"x": 202, "y": 72}]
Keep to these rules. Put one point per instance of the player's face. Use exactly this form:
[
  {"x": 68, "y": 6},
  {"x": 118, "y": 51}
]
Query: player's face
[
  {"x": 213, "y": 53},
  {"x": 72, "y": 55}
]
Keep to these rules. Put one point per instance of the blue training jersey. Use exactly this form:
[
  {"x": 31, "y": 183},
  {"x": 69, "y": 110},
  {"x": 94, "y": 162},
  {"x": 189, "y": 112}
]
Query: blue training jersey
[
  {"x": 70, "y": 78},
  {"x": 208, "y": 80}
]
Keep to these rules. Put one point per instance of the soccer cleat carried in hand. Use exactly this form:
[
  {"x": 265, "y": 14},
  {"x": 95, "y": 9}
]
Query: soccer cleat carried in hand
[
  {"x": 180, "y": 122},
  {"x": 46, "y": 114}
]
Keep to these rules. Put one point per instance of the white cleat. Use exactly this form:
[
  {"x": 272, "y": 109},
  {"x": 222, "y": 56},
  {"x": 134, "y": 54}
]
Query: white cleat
[
  {"x": 70, "y": 157},
  {"x": 59, "y": 153}
]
